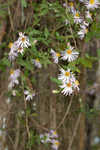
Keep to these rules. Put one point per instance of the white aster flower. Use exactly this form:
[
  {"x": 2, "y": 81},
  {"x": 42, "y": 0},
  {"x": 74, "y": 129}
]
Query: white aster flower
[
  {"x": 13, "y": 46},
  {"x": 20, "y": 50},
  {"x": 12, "y": 54},
  {"x": 45, "y": 138},
  {"x": 77, "y": 18},
  {"x": 29, "y": 95},
  {"x": 76, "y": 85},
  {"x": 64, "y": 75},
  {"x": 69, "y": 54},
  {"x": 14, "y": 74},
  {"x": 55, "y": 144},
  {"x": 71, "y": 7},
  {"x": 53, "y": 134},
  {"x": 12, "y": 83},
  {"x": 37, "y": 63},
  {"x": 55, "y": 56},
  {"x": 23, "y": 41},
  {"x": 88, "y": 15},
  {"x": 82, "y": 33},
  {"x": 83, "y": 30},
  {"x": 92, "y": 4},
  {"x": 67, "y": 88}
]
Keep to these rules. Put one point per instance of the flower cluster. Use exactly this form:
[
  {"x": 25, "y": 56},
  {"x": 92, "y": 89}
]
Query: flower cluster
[
  {"x": 14, "y": 75},
  {"x": 67, "y": 78},
  {"x": 80, "y": 19},
  {"x": 51, "y": 138},
  {"x": 15, "y": 48},
  {"x": 69, "y": 82},
  {"x": 69, "y": 54},
  {"x": 18, "y": 46},
  {"x": 29, "y": 95},
  {"x": 36, "y": 63}
]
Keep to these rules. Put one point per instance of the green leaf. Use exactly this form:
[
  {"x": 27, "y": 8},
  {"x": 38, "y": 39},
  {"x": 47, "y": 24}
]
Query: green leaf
[
  {"x": 25, "y": 64},
  {"x": 46, "y": 33},
  {"x": 86, "y": 62},
  {"x": 55, "y": 80},
  {"x": 24, "y": 3},
  {"x": 98, "y": 52}
]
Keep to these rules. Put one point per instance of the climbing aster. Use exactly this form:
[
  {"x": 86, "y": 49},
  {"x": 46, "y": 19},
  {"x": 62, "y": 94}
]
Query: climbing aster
[
  {"x": 55, "y": 56},
  {"x": 69, "y": 54},
  {"x": 92, "y": 4}
]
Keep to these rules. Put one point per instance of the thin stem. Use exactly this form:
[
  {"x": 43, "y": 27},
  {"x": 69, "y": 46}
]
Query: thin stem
[{"x": 66, "y": 113}]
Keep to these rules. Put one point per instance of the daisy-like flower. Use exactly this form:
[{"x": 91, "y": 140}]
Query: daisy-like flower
[
  {"x": 37, "y": 63},
  {"x": 83, "y": 30},
  {"x": 12, "y": 55},
  {"x": 45, "y": 138},
  {"x": 67, "y": 88},
  {"x": 77, "y": 18},
  {"x": 71, "y": 7},
  {"x": 13, "y": 48},
  {"x": 29, "y": 95},
  {"x": 92, "y": 4},
  {"x": 84, "y": 24},
  {"x": 64, "y": 75},
  {"x": 55, "y": 144},
  {"x": 82, "y": 33},
  {"x": 55, "y": 56},
  {"x": 88, "y": 15},
  {"x": 53, "y": 134},
  {"x": 14, "y": 74},
  {"x": 20, "y": 50},
  {"x": 23, "y": 41},
  {"x": 69, "y": 54},
  {"x": 76, "y": 85}
]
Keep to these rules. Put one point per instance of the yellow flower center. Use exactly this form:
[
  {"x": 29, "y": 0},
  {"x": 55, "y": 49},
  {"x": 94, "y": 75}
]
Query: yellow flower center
[
  {"x": 67, "y": 74},
  {"x": 69, "y": 51},
  {"x": 58, "y": 54},
  {"x": 54, "y": 133},
  {"x": 19, "y": 49},
  {"x": 57, "y": 143},
  {"x": 10, "y": 45},
  {"x": 86, "y": 30},
  {"x": 69, "y": 84},
  {"x": 92, "y": 2},
  {"x": 37, "y": 60},
  {"x": 77, "y": 14},
  {"x": 11, "y": 71},
  {"x": 23, "y": 39},
  {"x": 71, "y": 4},
  {"x": 77, "y": 82}
]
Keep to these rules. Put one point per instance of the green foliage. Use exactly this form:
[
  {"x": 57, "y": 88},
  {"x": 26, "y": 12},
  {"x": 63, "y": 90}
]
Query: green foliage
[{"x": 24, "y": 3}]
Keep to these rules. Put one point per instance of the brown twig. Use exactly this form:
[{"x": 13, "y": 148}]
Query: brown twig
[
  {"x": 75, "y": 131},
  {"x": 66, "y": 113}
]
